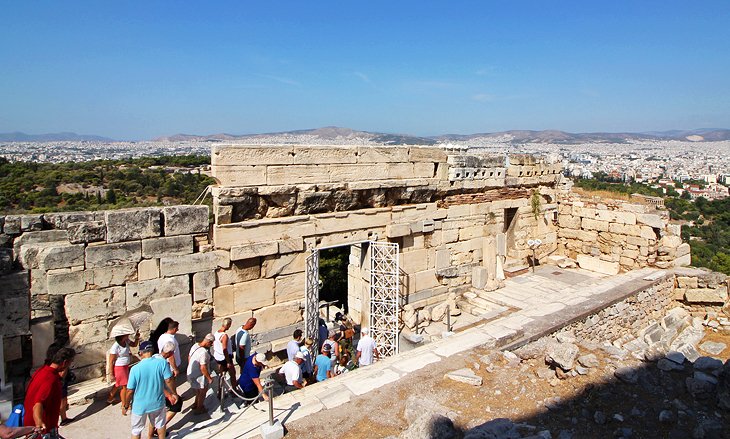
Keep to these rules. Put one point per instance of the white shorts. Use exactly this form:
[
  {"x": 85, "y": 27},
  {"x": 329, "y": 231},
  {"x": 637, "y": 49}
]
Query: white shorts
[
  {"x": 157, "y": 418},
  {"x": 198, "y": 383}
]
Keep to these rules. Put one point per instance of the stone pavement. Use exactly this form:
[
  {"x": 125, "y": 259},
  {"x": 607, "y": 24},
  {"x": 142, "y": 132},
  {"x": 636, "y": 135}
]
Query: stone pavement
[{"x": 542, "y": 302}]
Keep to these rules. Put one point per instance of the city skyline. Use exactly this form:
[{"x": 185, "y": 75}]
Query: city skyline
[{"x": 141, "y": 71}]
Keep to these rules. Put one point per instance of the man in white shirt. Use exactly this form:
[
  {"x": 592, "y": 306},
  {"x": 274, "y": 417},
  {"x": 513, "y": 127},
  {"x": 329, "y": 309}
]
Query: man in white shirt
[
  {"x": 366, "y": 348},
  {"x": 198, "y": 372},
  {"x": 293, "y": 346},
  {"x": 169, "y": 337},
  {"x": 242, "y": 341},
  {"x": 293, "y": 373}
]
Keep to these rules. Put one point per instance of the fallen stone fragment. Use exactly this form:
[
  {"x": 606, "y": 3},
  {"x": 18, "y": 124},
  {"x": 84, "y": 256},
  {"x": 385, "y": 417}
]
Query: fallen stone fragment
[
  {"x": 553, "y": 403},
  {"x": 627, "y": 374},
  {"x": 562, "y": 355},
  {"x": 599, "y": 417},
  {"x": 588, "y": 360},
  {"x": 496, "y": 428},
  {"x": 465, "y": 375},
  {"x": 565, "y": 337},
  {"x": 689, "y": 352},
  {"x": 667, "y": 365},
  {"x": 581, "y": 370},
  {"x": 623, "y": 432},
  {"x": 676, "y": 357},
  {"x": 666, "y": 416},
  {"x": 708, "y": 364},
  {"x": 698, "y": 388},
  {"x": 713, "y": 348},
  {"x": 545, "y": 373},
  {"x": 702, "y": 376}
]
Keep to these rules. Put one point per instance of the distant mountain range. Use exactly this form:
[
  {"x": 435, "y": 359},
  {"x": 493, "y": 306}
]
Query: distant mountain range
[
  {"x": 51, "y": 137},
  {"x": 514, "y": 136},
  {"x": 335, "y": 134}
]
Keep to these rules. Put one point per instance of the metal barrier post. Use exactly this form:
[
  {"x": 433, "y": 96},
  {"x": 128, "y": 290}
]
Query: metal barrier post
[
  {"x": 448, "y": 318},
  {"x": 270, "y": 391}
]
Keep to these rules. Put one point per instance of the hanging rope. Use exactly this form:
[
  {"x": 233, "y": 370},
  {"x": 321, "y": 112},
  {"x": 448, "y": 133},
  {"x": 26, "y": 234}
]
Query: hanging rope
[{"x": 202, "y": 196}]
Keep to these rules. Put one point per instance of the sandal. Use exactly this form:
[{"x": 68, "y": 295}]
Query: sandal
[
  {"x": 66, "y": 421},
  {"x": 124, "y": 410}
]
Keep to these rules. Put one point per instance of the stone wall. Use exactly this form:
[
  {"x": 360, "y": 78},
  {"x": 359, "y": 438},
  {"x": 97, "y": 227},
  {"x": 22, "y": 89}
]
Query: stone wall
[
  {"x": 610, "y": 236},
  {"x": 623, "y": 322},
  {"x": 443, "y": 207},
  {"x": 71, "y": 274}
]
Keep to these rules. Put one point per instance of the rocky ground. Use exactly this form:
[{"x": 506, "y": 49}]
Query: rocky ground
[{"x": 556, "y": 387}]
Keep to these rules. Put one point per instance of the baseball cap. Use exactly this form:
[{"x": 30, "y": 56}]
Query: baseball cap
[
  {"x": 299, "y": 355},
  {"x": 364, "y": 330},
  {"x": 326, "y": 348},
  {"x": 260, "y": 358},
  {"x": 146, "y": 346},
  {"x": 209, "y": 337}
]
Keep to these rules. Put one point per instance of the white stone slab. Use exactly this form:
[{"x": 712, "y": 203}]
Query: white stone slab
[
  {"x": 371, "y": 381},
  {"x": 416, "y": 362},
  {"x": 463, "y": 342}
]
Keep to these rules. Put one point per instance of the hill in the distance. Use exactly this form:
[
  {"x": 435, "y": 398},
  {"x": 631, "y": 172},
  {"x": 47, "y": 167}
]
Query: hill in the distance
[{"x": 51, "y": 137}]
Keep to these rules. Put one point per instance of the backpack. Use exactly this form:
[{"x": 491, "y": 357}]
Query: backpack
[{"x": 16, "y": 416}]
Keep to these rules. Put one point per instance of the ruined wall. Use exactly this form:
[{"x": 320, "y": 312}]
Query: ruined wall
[
  {"x": 273, "y": 204},
  {"x": 609, "y": 236},
  {"x": 71, "y": 274}
]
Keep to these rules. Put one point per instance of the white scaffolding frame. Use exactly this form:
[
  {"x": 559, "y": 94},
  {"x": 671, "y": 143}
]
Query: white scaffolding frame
[{"x": 384, "y": 296}]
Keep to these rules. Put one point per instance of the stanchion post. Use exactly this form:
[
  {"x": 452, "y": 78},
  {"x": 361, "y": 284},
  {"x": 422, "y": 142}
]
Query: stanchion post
[
  {"x": 270, "y": 391},
  {"x": 448, "y": 318}
]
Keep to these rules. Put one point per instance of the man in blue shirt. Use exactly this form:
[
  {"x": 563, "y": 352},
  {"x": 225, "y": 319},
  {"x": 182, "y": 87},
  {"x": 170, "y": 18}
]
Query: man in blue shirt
[
  {"x": 150, "y": 381},
  {"x": 323, "y": 364},
  {"x": 293, "y": 346},
  {"x": 249, "y": 380}
]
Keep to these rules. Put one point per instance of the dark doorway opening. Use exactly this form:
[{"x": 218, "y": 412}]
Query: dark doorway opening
[
  {"x": 333, "y": 264},
  {"x": 509, "y": 217}
]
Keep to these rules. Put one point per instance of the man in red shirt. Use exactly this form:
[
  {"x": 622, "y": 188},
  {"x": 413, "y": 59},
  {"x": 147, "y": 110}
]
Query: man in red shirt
[{"x": 43, "y": 397}]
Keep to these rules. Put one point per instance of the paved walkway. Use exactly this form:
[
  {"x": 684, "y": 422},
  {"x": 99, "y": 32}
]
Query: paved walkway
[{"x": 543, "y": 302}]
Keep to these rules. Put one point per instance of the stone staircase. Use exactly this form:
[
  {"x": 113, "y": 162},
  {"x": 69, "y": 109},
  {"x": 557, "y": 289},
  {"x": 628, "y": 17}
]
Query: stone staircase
[{"x": 477, "y": 303}]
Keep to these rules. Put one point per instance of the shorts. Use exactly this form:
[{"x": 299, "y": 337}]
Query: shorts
[
  {"x": 121, "y": 375},
  {"x": 157, "y": 418},
  {"x": 198, "y": 383},
  {"x": 174, "y": 408},
  {"x": 222, "y": 365}
]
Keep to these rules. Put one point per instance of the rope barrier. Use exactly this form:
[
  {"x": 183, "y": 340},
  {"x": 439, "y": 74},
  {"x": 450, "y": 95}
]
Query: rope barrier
[{"x": 202, "y": 196}]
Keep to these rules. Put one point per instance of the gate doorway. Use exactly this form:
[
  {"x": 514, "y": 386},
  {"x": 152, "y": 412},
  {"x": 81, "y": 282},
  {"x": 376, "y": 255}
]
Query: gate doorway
[{"x": 372, "y": 294}]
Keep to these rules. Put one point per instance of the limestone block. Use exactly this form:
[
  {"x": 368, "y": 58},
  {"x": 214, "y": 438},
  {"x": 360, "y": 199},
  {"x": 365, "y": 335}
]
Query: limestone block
[
  {"x": 38, "y": 282},
  {"x": 11, "y": 225},
  {"x": 397, "y": 230},
  {"x": 683, "y": 249},
  {"x": 670, "y": 241},
  {"x": 290, "y": 287},
  {"x": 132, "y": 224},
  {"x": 595, "y": 264},
  {"x": 44, "y": 236},
  {"x": 424, "y": 170},
  {"x": 103, "y": 277},
  {"x": 414, "y": 261},
  {"x": 203, "y": 284},
  {"x": 176, "y": 265},
  {"x": 85, "y": 333},
  {"x": 100, "y": 255},
  {"x": 251, "y": 155},
  {"x": 30, "y": 223},
  {"x": 83, "y": 233},
  {"x": 239, "y": 271},
  {"x": 316, "y": 155},
  {"x": 276, "y": 316},
  {"x": 382, "y": 154},
  {"x": 471, "y": 233},
  {"x": 501, "y": 241},
  {"x": 443, "y": 258},
  {"x": 585, "y": 212},
  {"x": 185, "y": 220},
  {"x": 290, "y": 245},
  {"x": 716, "y": 296},
  {"x": 674, "y": 229},
  {"x": 148, "y": 269},
  {"x": 239, "y": 175},
  {"x": 248, "y": 251},
  {"x": 424, "y": 280},
  {"x": 50, "y": 256},
  {"x": 251, "y": 295},
  {"x": 95, "y": 304},
  {"x": 479, "y": 277},
  {"x": 223, "y": 214},
  {"x": 67, "y": 283},
  {"x": 142, "y": 292},
  {"x": 450, "y": 236},
  {"x": 167, "y": 246},
  {"x": 569, "y": 221},
  {"x": 647, "y": 233},
  {"x": 14, "y": 314},
  {"x": 591, "y": 224},
  {"x": 226, "y": 236},
  {"x": 91, "y": 354},
  {"x": 650, "y": 220},
  {"x": 12, "y": 349},
  {"x": 43, "y": 335},
  {"x": 62, "y": 220},
  {"x": 299, "y": 174},
  {"x": 427, "y": 154},
  {"x": 687, "y": 282},
  {"x": 179, "y": 308},
  {"x": 458, "y": 211},
  {"x": 223, "y": 301}
]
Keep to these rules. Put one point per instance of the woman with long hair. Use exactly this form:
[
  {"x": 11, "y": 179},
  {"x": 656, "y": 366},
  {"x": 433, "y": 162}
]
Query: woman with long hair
[{"x": 161, "y": 329}]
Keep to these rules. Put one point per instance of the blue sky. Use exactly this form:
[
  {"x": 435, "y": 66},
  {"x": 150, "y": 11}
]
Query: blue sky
[{"x": 136, "y": 70}]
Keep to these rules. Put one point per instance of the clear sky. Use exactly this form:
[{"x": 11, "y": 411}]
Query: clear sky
[{"x": 141, "y": 69}]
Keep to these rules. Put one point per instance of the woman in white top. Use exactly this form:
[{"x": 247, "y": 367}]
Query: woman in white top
[{"x": 121, "y": 359}]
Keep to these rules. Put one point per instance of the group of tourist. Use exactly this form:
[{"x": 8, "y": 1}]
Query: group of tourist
[{"x": 148, "y": 388}]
